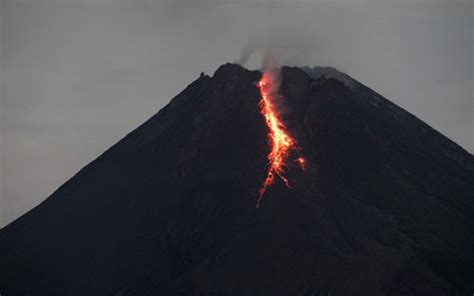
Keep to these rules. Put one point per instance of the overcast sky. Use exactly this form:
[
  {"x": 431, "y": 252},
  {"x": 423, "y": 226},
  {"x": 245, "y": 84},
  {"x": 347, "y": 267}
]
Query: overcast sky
[{"x": 78, "y": 75}]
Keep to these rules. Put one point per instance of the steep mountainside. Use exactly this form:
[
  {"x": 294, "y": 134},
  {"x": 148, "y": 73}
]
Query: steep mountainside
[{"x": 386, "y": 206}]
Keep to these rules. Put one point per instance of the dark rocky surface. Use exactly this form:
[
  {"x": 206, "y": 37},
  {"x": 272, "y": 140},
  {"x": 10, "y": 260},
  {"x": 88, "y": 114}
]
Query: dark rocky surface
[{"x": 386, "y": 206}]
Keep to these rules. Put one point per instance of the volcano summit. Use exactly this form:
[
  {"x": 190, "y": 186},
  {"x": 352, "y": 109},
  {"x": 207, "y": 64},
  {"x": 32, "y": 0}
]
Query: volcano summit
[{"x": 385, "y": 205}]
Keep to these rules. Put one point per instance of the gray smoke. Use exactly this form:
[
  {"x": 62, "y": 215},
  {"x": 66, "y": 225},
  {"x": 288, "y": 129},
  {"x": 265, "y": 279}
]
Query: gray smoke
[{"x": 289, "y": 43}]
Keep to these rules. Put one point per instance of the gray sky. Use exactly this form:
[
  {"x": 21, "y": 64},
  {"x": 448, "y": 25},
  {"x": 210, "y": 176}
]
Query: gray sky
[{"x": 78, "y": 75}]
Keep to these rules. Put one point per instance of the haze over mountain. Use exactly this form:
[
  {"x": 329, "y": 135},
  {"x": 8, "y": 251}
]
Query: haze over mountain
[
  {"x": 78, "y": 75},
  {"x": 385, "y": 207}
]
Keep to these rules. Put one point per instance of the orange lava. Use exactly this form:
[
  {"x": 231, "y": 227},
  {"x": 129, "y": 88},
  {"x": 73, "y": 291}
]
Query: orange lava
[
  {"x": 281, "y": 142},
  {"x": 302, "y": 163}
]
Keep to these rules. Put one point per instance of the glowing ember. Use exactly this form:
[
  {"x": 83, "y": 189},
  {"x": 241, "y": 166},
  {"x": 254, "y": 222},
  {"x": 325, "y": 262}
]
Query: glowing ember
[
  {"x": 302, "y": 163},
  {"x": 280, "y": 141}
]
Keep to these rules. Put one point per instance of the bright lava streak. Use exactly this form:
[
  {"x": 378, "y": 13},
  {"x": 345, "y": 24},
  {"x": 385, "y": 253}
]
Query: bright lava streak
[{"x": 281, "y": 142}]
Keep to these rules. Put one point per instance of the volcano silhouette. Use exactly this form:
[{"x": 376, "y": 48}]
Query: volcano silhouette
[{"x": 385, "y": 207}]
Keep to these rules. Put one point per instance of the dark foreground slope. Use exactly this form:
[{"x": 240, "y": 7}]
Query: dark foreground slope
[{"x": 385, "y": 207}]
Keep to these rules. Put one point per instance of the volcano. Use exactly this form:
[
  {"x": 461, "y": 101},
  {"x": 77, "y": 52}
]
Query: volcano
[{"x": 385, "y": 205}]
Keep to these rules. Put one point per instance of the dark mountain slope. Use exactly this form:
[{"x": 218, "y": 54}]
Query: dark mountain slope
[{"x": 385, "y": 207}]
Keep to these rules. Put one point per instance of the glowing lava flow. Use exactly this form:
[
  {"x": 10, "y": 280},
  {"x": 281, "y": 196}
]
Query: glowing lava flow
[{"x": 281, "y": 142}]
